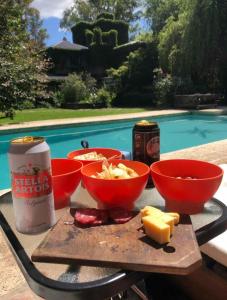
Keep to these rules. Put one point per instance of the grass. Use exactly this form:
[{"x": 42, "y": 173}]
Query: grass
[{"x": 58, "y": 113}]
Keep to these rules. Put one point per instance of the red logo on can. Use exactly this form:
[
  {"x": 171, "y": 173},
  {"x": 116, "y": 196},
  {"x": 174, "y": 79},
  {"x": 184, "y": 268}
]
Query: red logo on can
[{"x": 31, "y": 186}]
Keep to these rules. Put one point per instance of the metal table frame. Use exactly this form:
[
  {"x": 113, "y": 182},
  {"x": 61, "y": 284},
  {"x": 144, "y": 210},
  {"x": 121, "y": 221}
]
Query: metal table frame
[{"x": 97, "y": 289}]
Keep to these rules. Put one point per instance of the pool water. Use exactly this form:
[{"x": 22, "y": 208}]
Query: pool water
[{"x": 176, "y": 132}]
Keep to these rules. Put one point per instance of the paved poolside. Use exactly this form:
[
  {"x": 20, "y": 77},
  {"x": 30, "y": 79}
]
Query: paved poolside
[{"x": 12, "y": 283}]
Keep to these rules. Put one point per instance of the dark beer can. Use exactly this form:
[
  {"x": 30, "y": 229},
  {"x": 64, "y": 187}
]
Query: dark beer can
[{"x": 146, "y": 143}]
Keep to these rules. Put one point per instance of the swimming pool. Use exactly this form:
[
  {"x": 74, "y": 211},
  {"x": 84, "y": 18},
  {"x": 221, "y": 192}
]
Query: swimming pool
[{"x": 176, "y": 132}]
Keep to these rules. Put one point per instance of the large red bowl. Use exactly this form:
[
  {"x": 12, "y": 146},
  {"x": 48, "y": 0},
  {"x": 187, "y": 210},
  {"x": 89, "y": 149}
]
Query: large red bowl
[
  {"x": 115, "y": 192},
  {"x": 186, "y": 184},
  {"x": 66, "y": 176},
  {"x": 107, "y": 152}
]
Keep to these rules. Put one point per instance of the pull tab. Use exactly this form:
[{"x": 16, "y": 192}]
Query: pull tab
[{"x": 84, "y": 144}]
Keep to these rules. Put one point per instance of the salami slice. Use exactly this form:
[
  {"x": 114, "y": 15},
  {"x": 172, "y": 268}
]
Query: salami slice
[
  {"x": 91, "y": 216},
  {"x": 120, "y": 215}
]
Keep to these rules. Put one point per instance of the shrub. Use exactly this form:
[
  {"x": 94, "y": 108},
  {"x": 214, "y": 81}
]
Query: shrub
[
  {"x": 27, "y": 104},
  {"x": 89, "y": 82},
  {"x": 163, "y": 88},
  {"x": 103, "y": 98},
  {"x": 73, "y": 89},
  {"x": 57, "y": 99}
]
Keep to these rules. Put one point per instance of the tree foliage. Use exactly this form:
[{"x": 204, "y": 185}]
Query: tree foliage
[
  {"x": 22, "y": 65},
  {"x": 37, "y": 34},
  {"x": 192, "y": 40}
]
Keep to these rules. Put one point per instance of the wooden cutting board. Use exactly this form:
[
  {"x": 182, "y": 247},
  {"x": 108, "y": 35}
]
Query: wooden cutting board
[{"x": 122, "y": 246}]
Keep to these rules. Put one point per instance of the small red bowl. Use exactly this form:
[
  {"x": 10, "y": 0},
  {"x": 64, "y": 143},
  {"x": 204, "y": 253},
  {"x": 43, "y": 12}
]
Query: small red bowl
[
  {"x": 115, "y": 192},
  {"x": 186, "y": 185},
  {"x": 107, "y": 152},
  {"x": 66, "y": 176}
]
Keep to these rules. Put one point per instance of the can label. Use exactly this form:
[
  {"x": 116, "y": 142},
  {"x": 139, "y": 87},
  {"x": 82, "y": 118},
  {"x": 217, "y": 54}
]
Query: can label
[
  {"x": 31, "y": 186},
  {"x": 147, "y": 147}
]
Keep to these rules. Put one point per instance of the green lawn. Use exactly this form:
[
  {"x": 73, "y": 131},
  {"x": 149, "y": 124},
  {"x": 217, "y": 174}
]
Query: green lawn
[{"x": 58, "y": 113}]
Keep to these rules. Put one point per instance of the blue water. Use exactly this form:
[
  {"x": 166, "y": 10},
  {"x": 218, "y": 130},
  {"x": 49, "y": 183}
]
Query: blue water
[{"x": 176, "y": 132}]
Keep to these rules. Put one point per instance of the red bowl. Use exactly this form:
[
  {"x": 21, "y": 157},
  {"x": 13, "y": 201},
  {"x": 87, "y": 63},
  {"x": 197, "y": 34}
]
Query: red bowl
[
  {"x": 66, "y": 176},
  {"x": 115, "y": 192},
  {"x": 107, "y": 152},
  {"x": 186, "y": 184}
]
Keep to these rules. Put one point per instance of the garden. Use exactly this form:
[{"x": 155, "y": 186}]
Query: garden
[{"x": 128, "y": 66}]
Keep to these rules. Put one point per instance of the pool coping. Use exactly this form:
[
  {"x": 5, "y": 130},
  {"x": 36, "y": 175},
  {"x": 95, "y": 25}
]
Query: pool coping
[{"x": 70, "y": 122}]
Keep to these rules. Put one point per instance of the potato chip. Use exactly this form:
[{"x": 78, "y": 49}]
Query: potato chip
[{"x": 120, "y": 171}]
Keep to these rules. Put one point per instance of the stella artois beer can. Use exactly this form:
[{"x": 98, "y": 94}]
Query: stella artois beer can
[{"x": 31, "y": 181}]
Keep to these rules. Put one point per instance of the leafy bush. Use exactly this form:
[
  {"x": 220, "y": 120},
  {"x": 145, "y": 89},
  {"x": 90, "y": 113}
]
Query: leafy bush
[
  {"x": 137, "y": 71},
  {"x": 163, "y": 88},
  {"x": 103, "y": 98},
  {"x": 57, "y": 99},
  {"x": 89, "y": 82},
  {"x": 73, "y": 89},
  {"x": 27, "y": 104}
]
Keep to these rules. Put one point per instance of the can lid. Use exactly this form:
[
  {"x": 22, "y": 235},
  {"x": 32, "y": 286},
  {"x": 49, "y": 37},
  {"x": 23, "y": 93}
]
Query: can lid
[
  {"x": 27, "y": 139},
  {"x": 146, "y": 123}
]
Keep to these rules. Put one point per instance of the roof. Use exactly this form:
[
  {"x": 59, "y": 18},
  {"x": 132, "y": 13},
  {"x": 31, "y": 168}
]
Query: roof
[{"x": 66, "y": 45}]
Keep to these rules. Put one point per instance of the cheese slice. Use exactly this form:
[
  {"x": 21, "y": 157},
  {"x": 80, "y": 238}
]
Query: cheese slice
[
  {"x": 156, "y": 229},
  {"x": 176, "y": 217}
]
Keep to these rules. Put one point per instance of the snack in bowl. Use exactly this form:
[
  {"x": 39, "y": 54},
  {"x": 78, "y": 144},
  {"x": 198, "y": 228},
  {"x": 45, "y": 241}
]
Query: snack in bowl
[
  {"x": 119, "y": 171},
  {"x": 121, "y": 192},
  {"x": 159, "y": 225},
  {"x": 90, "y": 155},
  {"x": 93, "y": 155},
  {"x": 186, "y": 184}
]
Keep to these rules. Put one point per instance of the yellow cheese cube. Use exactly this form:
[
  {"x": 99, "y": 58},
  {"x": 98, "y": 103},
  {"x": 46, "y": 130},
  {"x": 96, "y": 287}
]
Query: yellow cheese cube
[
  {"x": 156, "y": 229},
  {"x": 176, "y": 217}
]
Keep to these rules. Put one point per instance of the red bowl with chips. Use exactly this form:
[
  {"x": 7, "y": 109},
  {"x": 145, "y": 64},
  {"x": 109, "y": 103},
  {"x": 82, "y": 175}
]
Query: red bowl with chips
[
  {"x": 185, "y": 184},
  {"x": 66, "y": 176},
  {"x": 115, "y": 192},
  {"x": 108, "y": 153}
]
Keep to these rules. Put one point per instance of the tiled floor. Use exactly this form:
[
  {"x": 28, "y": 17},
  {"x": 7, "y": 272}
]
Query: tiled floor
[{"x": 12, "y": 283}]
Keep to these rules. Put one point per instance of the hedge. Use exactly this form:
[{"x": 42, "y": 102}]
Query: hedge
[
  {"x": 79, "y": 30},
  {"x": 105, "y": 15},
  {"x": 110, "y": 38}
]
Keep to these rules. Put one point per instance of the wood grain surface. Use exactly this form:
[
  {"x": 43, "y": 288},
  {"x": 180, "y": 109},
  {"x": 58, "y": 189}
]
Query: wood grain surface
[{"x": 120, "y": 246}]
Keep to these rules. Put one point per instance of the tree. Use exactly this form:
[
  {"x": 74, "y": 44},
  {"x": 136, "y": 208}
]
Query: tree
[
  {"x": 37, "y": 34},
  {"x": 22, "y": 65},
  {"x": 88, "y": 10},
  {"x": 192, "y": 40},
  {"x": 157, "y": 12}
]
